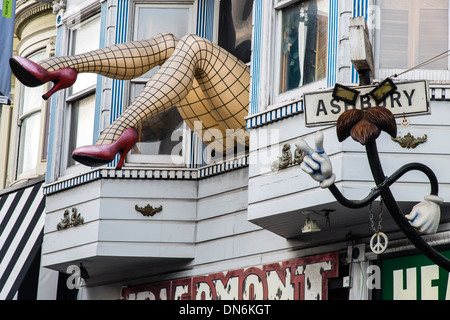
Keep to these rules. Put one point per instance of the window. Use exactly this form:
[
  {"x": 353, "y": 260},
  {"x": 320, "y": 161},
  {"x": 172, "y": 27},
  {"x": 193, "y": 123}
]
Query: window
[
  {"x": 81, "y": 95},
  {"x": 411, "y": 32},
  {"x": 235, "y": 27},
  {"x": 30, "y": 109},
  {"x": 160, "y": 137},
  {"x": 303, "y": 40}
]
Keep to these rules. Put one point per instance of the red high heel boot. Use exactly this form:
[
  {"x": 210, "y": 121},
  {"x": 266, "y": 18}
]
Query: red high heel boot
[
  {"x": 32, "y": 75},
  {"x": 98, "y": 155}
]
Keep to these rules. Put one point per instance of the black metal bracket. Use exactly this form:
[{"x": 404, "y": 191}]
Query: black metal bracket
[{"x": 382, "y": 189}]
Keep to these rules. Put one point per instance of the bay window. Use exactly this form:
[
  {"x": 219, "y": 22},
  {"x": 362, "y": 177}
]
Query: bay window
[
  {"x": 29, "y": 121},
  {"x": 161, "y": 138},
  {"x": 303, "y": 42},
  {"x": 81, "y": 95},
  {"x": 409, "y": 33}
]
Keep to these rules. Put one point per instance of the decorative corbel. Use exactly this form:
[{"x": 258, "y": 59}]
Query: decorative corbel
[
  {"x": 70, "y": 220},
  {"x": 76, "y": 218},
  {"x": 408, "y": 141},
  {"x": 65, "y": 222},
  {"x": 299, "y": 155},
  {"x": 148, "y": 210},
  {"x": 58, "y": 6},
  {"x": 286, "y": 158}
]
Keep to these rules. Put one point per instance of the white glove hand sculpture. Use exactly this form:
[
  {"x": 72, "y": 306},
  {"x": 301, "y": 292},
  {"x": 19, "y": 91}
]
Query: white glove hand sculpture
[
  {"x": 425, "y": 215},
  {"x": 316, "y": 162}
]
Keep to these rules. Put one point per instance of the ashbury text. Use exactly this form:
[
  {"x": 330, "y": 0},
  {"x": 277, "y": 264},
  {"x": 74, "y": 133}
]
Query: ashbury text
[{"x": 409, "y": 99}]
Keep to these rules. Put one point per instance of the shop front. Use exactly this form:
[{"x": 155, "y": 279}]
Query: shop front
[
  {"x": 299, "y": 279},
  {"x": 414, "y": 277}
]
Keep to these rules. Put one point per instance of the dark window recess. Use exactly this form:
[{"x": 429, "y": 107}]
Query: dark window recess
[{"x": 235, "y": 27}]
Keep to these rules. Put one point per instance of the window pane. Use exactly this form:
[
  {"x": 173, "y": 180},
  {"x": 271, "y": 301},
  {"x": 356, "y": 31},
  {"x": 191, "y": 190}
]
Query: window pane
[
  {"x": 81, "y": 124},
  {"x": 155, "y": 134},
  {"x": 30, "y": 123},
  {"x": 154, "y": 20},
  {"x": 29, "y": 143},
  {"x": 85, "y": 38},
  {"x": 235, "y": 27},
  {"x": 413, "y": 31},
  {"x": 394, "y": 38},
  {"x": 46, "y": 130},
  {"x": 31, "y": 97},
  {"x": 304, "y": 43},
  {"x": 433, "y": 22}
]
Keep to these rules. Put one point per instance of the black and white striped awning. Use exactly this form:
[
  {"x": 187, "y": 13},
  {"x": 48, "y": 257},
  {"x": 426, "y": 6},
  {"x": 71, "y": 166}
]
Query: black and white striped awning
[{"x": 21, "y": 233}]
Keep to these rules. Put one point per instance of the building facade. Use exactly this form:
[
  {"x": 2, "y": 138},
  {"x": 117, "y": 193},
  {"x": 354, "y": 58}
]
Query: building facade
[
  {"x": 24, "y": 137},
  {"x": 180, "y": 222}
]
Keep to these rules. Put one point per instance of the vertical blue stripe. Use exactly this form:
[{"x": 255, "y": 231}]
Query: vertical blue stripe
[
  {"x": 199, "y": 17},
  {"x": 360, "y": 8},
  {"x": 98, "y": 96},
  {"x": 210, "y": 20},
  {"x": 51, "y": 131},
  {"x": 204, "y": 28},
  {"x": 256, "y": 56},
  {"x": 205, "y": 19},
  {"x": 117, "y": 85},
  {"x": 333, "y": 28},
  {"x": 121, "y": 36}
]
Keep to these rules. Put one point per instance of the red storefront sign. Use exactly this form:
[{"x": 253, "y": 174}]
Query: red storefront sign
[{"x": 300, "y": 279}]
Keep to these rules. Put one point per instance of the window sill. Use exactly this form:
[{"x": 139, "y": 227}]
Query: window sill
[
  {"x": 296, "y": 94},
  {"x": 39, "y": 171}
]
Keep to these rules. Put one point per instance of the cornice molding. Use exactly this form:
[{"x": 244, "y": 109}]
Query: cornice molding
[
  {"x": 130, "y": 173},
  {"x": 26, "y": 12}
]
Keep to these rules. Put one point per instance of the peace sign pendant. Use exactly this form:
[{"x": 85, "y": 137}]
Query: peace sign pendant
[{"x": 379, "y": 242}]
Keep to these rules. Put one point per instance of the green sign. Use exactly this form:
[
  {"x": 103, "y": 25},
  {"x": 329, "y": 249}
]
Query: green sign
[
  {"x": 414, "y": 278},
  {"x": 7, "y": 8}
]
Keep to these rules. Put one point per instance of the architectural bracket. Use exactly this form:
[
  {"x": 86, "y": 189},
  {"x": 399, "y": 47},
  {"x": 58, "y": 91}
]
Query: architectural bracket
[
  {"x": 286, "y": 158},
  {"x": 148, "y": 210},
  {"x": 70, "y": 220},
  {"x": 408, "y": 141}
]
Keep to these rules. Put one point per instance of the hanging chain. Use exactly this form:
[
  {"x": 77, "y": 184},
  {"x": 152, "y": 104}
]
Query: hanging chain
[
  {"x": 379, "y": 241},
  {"x": 380, "y": 217}
]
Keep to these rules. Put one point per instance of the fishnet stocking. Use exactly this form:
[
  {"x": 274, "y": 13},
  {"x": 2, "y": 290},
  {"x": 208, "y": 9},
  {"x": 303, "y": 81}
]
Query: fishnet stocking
[
  {"x": 205, "y": 82},
  {"x": 122, "y": 61}
]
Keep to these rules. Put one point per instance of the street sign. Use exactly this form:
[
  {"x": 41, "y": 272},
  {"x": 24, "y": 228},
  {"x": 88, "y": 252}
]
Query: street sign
[
  {"x": 410, "y": 99},
  {"x": 3, "y": 99}
]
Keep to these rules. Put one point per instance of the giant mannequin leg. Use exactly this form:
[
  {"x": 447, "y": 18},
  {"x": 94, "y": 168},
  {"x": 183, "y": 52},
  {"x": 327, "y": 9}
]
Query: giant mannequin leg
[
  {"x": 223, "y": 79},
  {"x": 122, "y": 61},
  {"x": 204, "y": 81}
]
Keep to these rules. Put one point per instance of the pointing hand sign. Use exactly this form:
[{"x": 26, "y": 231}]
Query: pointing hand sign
[{"x": 316, "y": 163}]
